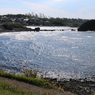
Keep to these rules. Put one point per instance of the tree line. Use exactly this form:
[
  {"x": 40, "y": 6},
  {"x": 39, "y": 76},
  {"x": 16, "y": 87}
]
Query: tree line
[{"x": 40, "y": 20}]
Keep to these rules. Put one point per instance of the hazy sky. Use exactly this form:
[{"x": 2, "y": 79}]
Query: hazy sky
[{"x": 54, "y": 8}]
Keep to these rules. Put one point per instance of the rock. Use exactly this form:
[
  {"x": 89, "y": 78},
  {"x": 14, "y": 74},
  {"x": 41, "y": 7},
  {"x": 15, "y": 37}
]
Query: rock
[
  {"x": 72, "y": 29},
  {"x": 87, "y": 26},
  {"x": 37, "y": 29}
]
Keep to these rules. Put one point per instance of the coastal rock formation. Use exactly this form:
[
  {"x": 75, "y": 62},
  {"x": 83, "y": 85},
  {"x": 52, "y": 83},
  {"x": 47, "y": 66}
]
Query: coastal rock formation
[
  {"x": 37, "y": 29},
  {"x": 87, "y": 26}
]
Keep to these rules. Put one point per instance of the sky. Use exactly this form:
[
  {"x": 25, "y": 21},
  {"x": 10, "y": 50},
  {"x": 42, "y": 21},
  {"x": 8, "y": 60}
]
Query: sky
[{"x": 84, "y": 9}]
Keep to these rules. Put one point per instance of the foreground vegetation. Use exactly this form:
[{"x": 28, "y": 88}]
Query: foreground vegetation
[
  {"x": 8, "y": 89},
  {"x": 30, "y": 77},
  {"x": 75, "y": 86},
  {"x": 30, "y": 80}
]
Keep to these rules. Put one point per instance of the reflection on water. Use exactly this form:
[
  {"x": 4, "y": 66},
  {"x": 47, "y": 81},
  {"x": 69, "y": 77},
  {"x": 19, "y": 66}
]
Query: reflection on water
[{"x": 54, "y": 53}]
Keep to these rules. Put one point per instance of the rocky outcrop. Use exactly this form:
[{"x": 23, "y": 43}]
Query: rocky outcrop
[
  {"x": 87, "y": 26},
  {"x": 37, "y": 29}
]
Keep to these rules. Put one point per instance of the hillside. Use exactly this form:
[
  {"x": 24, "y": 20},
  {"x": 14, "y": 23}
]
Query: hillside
[{"x": 40, "y": 20}]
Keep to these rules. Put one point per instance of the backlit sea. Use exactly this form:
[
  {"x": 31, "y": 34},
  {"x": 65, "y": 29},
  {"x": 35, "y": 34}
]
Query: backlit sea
[{"x": 61, "y": 54}]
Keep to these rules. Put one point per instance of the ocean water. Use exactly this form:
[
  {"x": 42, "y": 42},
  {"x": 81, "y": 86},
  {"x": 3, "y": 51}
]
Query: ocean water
[{"x": 61, "y": 54}]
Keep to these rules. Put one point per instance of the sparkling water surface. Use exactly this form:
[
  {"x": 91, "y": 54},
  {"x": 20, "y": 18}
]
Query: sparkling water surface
[{"x": 57, "y": 53}]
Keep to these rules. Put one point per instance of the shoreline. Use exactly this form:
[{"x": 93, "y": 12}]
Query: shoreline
[
  {"x": 34, "y": 30},
  {"x": 76, "y": 86}
]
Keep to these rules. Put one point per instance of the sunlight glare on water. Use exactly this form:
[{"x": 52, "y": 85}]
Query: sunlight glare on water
[{"x": 66, "y": 53}]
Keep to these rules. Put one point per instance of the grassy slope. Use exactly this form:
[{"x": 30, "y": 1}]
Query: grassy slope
[
  {"x": 8, "y": 89},
  {"x": 30, "y": 80},
  {"x": 24, "y": 85},
  {"x": 12, "y": 87}
]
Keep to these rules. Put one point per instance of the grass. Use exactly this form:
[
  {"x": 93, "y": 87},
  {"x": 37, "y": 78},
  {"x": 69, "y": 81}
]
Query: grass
[
  {"x": 30, "y": 73},
  {"x": 35, "y": 81},
  {"x": 9, "y": 89}
]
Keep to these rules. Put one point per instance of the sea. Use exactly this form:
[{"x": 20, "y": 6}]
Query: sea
[{"x": 55, "y": 54}]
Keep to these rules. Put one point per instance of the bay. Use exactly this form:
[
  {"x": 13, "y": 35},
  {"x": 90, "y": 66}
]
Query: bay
[{"x": 61, "y": 54}]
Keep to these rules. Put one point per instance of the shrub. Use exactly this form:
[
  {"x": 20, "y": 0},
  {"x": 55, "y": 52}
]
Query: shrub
[{"x": 30, "y": 73}]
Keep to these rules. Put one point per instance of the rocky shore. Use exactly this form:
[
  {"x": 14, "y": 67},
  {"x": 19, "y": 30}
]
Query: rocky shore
[
  {"x": 13, "y": 27},
  {"x": 28, "y": 30},
  {"x": 79, "y": 87}
]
